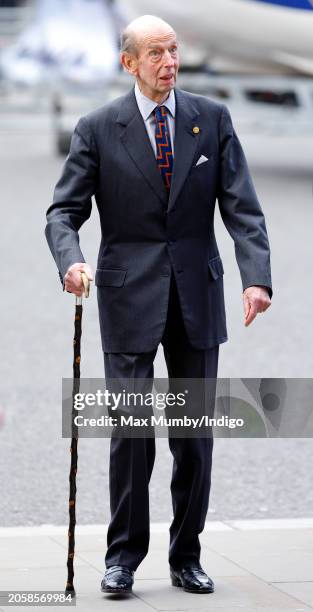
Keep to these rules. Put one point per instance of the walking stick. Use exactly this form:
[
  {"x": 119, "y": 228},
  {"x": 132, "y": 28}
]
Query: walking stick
[{"x": 69, "y": 589}]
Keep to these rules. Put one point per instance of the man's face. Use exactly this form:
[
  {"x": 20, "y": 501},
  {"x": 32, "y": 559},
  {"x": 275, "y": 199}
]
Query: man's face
[{"x": 157, "y": 63}]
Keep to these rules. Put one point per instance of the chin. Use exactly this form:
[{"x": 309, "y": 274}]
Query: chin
[{"x": 169, "y": 85}]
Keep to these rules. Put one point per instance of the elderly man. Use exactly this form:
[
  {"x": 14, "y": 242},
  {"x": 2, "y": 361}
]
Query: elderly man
[{"x": 157, "y": 159}]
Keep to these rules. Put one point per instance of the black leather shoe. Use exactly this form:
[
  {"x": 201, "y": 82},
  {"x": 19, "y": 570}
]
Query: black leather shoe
[
  {"x": 117, "y": 579},
  {"x": 192, "y": 579}
]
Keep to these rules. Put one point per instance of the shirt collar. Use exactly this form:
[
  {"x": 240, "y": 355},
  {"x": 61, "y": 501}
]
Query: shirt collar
[{"x": 147, "y": 106}]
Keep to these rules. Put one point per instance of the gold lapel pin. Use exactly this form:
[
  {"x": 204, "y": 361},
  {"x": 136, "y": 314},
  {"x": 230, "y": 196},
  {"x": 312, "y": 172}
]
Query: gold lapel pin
[{"x": 196, "y": 129}]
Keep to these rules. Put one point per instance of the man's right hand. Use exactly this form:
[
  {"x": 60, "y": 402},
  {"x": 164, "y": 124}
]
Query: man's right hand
[{"x": 73, "y": 280}]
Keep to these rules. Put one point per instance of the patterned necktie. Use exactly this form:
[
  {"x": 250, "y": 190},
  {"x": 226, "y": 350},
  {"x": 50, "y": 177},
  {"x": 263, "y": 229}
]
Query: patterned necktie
[{"x": 163, "y": 145}]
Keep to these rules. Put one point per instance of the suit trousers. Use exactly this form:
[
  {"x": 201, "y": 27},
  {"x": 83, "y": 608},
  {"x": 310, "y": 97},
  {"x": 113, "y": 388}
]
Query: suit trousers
[{"x": 132, "y": 459}]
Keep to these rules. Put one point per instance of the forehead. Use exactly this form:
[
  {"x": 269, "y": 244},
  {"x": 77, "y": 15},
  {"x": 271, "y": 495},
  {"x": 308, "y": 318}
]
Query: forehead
[{"x": 156, "y": 38}]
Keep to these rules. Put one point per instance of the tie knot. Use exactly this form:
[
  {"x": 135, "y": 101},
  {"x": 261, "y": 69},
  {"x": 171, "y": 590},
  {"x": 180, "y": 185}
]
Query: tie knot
[{"x": 160, "y": 113}]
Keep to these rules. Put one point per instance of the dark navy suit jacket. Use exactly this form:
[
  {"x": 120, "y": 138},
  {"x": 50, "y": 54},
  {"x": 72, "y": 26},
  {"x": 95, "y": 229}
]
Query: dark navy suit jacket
[{"x": 145, "y": 235}]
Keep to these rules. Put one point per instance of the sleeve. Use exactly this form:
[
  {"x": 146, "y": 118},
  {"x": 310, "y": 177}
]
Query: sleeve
[
  {"x": 241, "y": 211},
  {"x": 72, "y": 205}
]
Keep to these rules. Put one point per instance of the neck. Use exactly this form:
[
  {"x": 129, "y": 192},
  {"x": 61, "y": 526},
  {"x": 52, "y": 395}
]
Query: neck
[{"x": 161, "y": 98}]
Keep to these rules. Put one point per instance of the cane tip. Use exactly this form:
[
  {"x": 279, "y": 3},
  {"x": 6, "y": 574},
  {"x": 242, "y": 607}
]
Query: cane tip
[{"x": 69, "y": 590}]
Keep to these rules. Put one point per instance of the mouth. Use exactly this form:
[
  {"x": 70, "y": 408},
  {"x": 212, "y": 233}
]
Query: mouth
[{"x": 167, "y": 78}]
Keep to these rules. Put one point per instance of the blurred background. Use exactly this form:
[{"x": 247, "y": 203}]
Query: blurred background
[{"x": 59, "y": 60}]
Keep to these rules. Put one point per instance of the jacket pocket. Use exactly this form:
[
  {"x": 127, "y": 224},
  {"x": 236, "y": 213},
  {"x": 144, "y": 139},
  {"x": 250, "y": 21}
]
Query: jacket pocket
[
  {"x": 205, "y": 164},
  {"x": 216, "y": 268},
  {"x": 110, "y": 278}
]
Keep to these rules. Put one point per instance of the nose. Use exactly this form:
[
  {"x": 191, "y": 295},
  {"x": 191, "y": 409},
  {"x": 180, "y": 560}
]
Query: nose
[{"x": 168, "y": 59}]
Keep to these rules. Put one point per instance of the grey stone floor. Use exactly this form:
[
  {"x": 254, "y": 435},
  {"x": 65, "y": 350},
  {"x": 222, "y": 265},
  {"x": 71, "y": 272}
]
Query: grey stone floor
[{"x": 264, "y": 566}]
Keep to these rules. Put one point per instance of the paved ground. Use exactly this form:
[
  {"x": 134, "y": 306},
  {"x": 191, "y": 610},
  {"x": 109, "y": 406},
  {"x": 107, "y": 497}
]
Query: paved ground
[
  {"x": 257, "y": 566},
  {"x": 251, "y": 478}
]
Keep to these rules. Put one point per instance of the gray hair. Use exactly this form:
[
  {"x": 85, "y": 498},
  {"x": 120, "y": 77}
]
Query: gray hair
[{"x": 128, "y": 42}]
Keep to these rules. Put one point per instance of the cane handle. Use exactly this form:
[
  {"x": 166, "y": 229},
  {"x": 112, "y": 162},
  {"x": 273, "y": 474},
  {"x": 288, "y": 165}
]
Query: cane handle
[{"x": 86, "y": 284}]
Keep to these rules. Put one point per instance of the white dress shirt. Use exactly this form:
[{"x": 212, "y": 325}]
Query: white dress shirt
[{"x": 146, "y": 107}]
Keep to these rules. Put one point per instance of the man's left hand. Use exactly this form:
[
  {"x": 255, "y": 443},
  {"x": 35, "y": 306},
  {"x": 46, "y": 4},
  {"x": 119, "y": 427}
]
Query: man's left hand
[{"x": 255, "y": 299}]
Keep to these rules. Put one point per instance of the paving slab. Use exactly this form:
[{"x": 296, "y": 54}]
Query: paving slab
[
  {"x": 218, "y": 565},
  {"x": 269, "y": 569},
  {"x": 262, "y": 524},
  {"x": 35, "y": 552},
  {"x": 301, "y": 590},
  {"x": 293, "y": 566},
  {"x": 266, "y": 540},
  {"x": 83, "y": 542},
  {"x": 87, "y": 584},
  {"x": 49, "y": 578},
  {"x": 244, "y": 592}
]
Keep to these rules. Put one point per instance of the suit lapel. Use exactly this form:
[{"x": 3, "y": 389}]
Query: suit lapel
[
  {"x": 136, "y": 141},
  {"x": 186, "y": 143}
]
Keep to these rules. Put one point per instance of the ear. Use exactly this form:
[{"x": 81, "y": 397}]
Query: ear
[{"x": 129, "y": 63}]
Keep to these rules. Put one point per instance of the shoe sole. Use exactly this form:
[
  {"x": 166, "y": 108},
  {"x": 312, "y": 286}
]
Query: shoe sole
[
  {"x": 177, "y": 583},
  {"x": 116, "y": 591}
]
